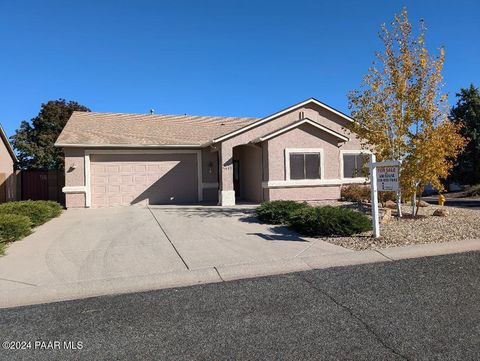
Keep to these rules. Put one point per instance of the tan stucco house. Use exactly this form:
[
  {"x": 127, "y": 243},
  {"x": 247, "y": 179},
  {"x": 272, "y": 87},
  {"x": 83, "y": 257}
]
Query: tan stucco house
[
  {"x": 303, "y": 152},
  {"x": 8, "y": 178}
]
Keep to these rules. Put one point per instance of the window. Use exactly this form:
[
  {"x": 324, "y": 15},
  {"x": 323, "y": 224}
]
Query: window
[
  {"x": 355, "y": 165},
  {"x": 305, "y": 166}
]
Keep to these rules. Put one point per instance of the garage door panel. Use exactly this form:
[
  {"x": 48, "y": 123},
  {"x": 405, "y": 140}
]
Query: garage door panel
[{"x": 126, "y": 179}]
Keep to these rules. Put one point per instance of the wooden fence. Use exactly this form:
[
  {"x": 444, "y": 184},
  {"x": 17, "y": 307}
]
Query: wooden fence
[{"x": 41, "y": 185}]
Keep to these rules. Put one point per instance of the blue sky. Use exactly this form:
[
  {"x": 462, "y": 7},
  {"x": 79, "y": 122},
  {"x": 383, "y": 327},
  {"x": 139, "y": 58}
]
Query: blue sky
[{"x": 238, "y": 58}]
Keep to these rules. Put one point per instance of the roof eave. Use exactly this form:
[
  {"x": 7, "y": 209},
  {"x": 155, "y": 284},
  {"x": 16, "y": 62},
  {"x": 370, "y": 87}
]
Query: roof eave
[{"x": 79, "y": 145}]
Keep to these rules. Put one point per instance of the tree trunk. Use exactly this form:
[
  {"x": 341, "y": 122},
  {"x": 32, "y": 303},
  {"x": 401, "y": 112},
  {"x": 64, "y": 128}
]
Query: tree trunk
[
  {"x": 399, "y": 203},
  {"x": 414, "y": 204},
  {"x": 419, "y": 200}
]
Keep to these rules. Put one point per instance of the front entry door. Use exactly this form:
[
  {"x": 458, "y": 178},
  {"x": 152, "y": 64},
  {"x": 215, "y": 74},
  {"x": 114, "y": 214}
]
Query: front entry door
[{"x": 236, "y": 178}]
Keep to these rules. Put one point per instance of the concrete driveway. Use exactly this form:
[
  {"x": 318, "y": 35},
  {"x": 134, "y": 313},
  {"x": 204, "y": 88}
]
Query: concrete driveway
[
  {"x": 219, "y": 236},
  {"x": 100, "y": 251}
]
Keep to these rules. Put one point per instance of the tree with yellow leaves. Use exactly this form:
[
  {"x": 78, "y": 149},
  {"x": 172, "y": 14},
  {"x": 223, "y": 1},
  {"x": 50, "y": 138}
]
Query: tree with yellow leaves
[{"x": 401, "y": 113}]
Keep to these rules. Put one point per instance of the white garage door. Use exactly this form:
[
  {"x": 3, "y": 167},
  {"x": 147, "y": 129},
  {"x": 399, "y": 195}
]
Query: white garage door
[{"x": 124, "y": 179}]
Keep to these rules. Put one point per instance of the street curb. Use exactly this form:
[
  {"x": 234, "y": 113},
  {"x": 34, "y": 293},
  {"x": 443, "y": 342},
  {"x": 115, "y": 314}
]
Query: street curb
[{"x": 30, "y": 295}]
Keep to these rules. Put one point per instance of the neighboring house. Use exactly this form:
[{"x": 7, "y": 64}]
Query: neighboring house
[
  {"x": 8, "y": 178},
  {"x": 303, "y": 152}
]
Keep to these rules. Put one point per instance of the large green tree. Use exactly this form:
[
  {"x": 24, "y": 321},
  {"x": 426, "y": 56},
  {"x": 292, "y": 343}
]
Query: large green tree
[
  {"x": 34, "y": 140},
  {"x": 467, "y": 112}
]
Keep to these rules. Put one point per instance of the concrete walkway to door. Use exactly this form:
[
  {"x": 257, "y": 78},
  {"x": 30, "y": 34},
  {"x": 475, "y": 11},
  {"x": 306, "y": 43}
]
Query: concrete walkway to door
[{"x": 89, "y": 252}]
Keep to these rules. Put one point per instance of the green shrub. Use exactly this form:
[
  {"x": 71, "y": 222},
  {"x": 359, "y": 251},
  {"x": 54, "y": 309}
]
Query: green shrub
[
  {"x": 329, "y": 221},
  {"x": 14, "y": 227},
  {"x": 55, "y": 207},
  {"x": 39, "y": 212},
  {"x": 278, "y": 212}
]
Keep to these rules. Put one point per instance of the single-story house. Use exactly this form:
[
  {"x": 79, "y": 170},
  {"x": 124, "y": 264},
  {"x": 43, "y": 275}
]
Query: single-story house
[
  {"x": 303, "y": 152},
  {"x": 8, "y": 178}
]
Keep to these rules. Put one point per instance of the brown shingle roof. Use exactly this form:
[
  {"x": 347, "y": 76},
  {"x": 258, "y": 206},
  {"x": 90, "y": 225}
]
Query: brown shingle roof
[{"x": 90, "y": 128}]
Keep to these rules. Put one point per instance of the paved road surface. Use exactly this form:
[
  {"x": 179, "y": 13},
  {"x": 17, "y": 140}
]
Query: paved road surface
[
  {"x": 421, "y": 309},
  {"x": 473, "y": 203}
]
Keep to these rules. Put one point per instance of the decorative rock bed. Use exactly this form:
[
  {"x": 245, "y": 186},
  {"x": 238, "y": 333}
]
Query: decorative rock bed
[{"x": 456, "y": 225}]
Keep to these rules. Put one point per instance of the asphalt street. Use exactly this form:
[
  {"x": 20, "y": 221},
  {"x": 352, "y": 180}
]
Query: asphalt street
[{"x": 420, "y": 309}]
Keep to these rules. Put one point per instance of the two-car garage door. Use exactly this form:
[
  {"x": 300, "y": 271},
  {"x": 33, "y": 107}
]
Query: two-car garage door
[{"x": 124, "y": 179}]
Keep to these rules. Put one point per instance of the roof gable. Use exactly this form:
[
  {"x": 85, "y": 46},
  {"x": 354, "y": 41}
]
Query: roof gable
[
  {"x": 339, "y": 136},
  {"x": 280, "y": 113}
]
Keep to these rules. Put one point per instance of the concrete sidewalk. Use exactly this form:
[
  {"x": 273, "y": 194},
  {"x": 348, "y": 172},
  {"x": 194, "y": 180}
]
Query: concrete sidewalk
[{"x": 59, "y": 291}]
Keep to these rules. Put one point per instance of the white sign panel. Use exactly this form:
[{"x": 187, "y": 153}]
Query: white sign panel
[{"x": 387, "y": 178}]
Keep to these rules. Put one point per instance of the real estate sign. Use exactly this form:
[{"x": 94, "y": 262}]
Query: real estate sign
[
  {"x": 383, "y": 177},
  {"x": 387, "y": 178}
]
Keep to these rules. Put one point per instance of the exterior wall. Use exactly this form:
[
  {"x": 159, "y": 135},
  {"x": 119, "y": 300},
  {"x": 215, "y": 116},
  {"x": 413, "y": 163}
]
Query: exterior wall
[
  {"x": 8, "y": 179},
  {"x": 304, "y": 193},
  {"x": 304, "y": 136},
  {"x": 250, "y": 160},
  {"x": 74, "y": 177},
  {"x": 75, "y": 200},
  {"x": 210, "y": 175}
]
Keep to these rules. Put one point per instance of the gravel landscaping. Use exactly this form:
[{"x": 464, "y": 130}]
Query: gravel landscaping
[{"x": 462, "y": 223}]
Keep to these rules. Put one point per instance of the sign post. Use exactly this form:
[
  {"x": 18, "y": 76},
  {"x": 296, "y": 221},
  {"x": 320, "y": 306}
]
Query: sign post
[{"x": 383, "y": 178}]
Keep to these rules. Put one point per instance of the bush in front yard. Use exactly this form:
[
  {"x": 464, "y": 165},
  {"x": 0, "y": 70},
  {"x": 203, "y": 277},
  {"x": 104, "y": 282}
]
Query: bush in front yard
[
  {"x": 55, "y": 207},
  {"x": 329, "y": 221},
  {"x": 355, "y": 193},
  {"x": 14, "y": 227},
  {"x": 38, "y": 212},
  {"x": 278, "y": 212},
  {"x": 361, "y": 192}
]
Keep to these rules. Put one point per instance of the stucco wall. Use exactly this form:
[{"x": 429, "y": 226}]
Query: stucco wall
[
  {"x": 250, "y": 160},
  {"x": 8, "y": 185},
  {"x": 304, "y": 193},
  {"x": 305, "y": 136},
  {"x": 74, "y": 157}
]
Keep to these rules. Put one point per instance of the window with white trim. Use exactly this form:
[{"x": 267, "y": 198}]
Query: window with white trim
[
  {"x": 305, "y": 165},
  {"x": 355, "y": 165}
]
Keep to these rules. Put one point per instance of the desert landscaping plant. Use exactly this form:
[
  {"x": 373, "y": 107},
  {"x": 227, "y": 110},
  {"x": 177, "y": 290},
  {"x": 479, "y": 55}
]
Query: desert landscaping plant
[
  {"x": 278, "y": 212},
  {"x": 361, "y": 193},
  {"x": 401, "y": 113},
  {"x": 38, "y": 212},
  {"x": 14, "y": 227},
  {"x": 329, "y": 221}
]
